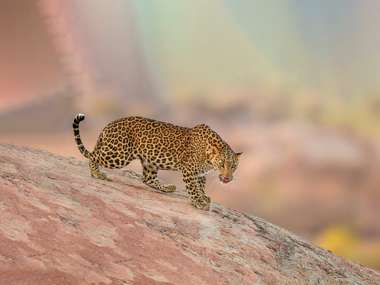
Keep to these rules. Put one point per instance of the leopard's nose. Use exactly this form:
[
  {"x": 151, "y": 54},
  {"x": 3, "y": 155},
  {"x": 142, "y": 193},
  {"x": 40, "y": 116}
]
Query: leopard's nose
[{"x": 225, "y": 179}]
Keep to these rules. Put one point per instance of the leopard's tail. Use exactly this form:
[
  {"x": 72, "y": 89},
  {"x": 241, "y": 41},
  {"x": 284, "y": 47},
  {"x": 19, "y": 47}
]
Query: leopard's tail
[{"x": 78, "y": 118}]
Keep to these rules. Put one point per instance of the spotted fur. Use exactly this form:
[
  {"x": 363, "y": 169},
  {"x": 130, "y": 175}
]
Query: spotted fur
[{"x": 162, "y": 146}]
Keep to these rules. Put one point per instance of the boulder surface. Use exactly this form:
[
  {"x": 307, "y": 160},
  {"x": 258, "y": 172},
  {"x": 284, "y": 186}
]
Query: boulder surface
[{"x": 60, "y": 226}]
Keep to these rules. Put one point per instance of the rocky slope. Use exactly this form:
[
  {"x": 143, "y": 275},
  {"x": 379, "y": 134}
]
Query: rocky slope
[{"x": 59, "y": 226}]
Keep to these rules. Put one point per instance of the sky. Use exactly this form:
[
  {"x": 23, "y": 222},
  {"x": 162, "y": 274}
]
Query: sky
[
  {"x": 325, "y": 46},
  {"x": 191, "y": 48}
]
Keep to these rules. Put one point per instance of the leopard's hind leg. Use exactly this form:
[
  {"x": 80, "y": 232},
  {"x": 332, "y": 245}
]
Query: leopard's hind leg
[
  {"x": 95, "y": 172},
  {"x": 94, "y": 160}
]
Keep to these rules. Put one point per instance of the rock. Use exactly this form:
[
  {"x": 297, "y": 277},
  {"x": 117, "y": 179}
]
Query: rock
[{"x": 60, "y": 226}]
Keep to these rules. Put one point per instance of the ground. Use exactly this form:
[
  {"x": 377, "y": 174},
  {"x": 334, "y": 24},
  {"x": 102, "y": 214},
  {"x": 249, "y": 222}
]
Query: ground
[{"x": 60, "y": 226}]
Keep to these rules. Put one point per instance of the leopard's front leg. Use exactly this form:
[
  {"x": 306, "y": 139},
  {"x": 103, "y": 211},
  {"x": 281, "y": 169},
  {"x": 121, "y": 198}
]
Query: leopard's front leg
[
  {"x": 150, "y": 179},
  {"x": 202, "y": 186},
  {"x": 195, "y": 189}
]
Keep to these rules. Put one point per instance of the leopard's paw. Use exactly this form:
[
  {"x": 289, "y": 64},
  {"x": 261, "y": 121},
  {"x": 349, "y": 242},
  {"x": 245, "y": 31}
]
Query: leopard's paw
[
  {"x": 100, "y": 175},
  {"x": 207, "y": 199},
  {"x": 202, "y": 203},
  {"x": 169, "y": 188}
]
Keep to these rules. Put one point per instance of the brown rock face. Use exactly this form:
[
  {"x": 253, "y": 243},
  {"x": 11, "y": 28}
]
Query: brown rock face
[{"x": 60, "y": 226}]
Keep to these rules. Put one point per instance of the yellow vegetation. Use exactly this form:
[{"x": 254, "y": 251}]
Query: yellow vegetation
[{"x": 343, "y": 241}]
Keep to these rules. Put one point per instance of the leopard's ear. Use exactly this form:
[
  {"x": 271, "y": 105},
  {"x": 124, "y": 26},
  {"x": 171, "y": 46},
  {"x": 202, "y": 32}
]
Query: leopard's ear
[{"x": 238, "y": 154}]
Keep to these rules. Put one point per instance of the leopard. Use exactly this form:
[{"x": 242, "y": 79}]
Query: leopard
[{"x": 194, "y": 151}]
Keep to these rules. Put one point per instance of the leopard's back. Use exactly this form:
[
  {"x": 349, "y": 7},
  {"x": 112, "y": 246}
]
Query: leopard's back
[{"x": 154, "y": 142}]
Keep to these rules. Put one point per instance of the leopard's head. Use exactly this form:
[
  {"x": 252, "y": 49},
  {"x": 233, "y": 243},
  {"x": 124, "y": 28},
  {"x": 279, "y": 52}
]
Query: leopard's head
[{"x": 225, "y": 161}]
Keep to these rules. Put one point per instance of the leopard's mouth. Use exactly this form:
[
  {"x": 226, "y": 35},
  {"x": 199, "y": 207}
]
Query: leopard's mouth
[{"x": 225, "y": 179}]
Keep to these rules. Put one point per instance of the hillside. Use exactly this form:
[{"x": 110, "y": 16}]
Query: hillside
[{"x": 60, "y": 226}]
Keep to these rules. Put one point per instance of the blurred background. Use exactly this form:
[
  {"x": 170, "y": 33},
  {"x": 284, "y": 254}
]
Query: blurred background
[{"x": 292, "y": 84}]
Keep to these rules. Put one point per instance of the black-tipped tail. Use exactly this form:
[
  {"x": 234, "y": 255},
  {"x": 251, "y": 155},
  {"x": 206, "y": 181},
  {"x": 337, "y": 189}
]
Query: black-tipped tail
[{"x": 78, "y": 118}]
